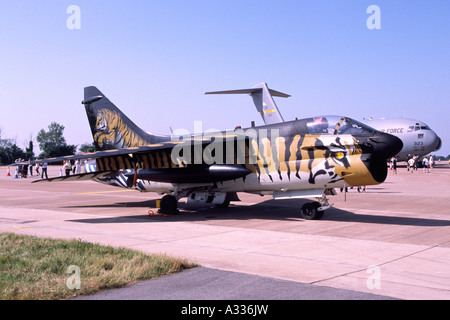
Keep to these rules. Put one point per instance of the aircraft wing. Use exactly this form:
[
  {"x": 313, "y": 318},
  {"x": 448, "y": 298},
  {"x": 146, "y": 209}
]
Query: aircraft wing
[
  {"x": 107, "y": 153},
  {"x": 156, "y": 163},
  {"x": 80, "y": 177},
  {"x": 99, "y": 154}
]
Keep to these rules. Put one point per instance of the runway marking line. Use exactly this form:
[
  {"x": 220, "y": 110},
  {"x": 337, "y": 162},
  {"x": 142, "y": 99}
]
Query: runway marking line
[
  {"x": 98, "y": 192},
  {"x": 20, "y": 228}
]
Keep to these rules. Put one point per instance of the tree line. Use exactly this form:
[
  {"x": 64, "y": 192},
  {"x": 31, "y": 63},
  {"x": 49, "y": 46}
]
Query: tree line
[{"x": 51, "y": 142}]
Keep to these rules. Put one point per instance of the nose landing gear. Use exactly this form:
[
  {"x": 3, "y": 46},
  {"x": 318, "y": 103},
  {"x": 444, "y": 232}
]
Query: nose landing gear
[{"x": 315, "y": 210}]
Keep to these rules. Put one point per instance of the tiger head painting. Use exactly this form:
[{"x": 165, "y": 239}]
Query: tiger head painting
[
  {"x": 331, "y": 158},
  {"x": 112, "y": 132},
  {"x": 338, "y": 159}
]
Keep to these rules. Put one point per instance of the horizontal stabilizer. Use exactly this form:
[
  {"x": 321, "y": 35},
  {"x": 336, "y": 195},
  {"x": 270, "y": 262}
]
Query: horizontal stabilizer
[
  {"x": 251, "y": 91},
  {"x": 263, "y": 99}
]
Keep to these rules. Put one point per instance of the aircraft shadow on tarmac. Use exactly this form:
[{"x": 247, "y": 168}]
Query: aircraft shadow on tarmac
[{"x": 267, "y": 210}]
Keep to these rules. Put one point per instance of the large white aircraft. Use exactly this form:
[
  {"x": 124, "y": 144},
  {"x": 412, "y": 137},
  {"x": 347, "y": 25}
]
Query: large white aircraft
[{"x": 417, "y": 137}]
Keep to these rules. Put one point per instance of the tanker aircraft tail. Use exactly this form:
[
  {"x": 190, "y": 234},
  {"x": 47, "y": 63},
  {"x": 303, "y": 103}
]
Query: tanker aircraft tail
[{"x": 262, "y": 98}]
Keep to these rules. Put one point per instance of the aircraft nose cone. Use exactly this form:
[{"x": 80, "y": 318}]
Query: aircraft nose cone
[
  {"x": 439, "y": 144},
  {"x": 386, "y": 145},
  {"x": 436, "y": 142},
  {"x": 381, "y": 147}
]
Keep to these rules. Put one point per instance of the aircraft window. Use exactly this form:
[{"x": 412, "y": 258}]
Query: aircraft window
[
  {"x": 321, "y": 125},
  {"x": 411, "y": 129},
  {"x": 417, "y": 128},
  {"x": 424, "y": 128},
  {"x": 420, "y": 136}
]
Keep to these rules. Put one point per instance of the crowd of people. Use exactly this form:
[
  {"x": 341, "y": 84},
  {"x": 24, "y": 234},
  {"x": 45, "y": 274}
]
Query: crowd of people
[
  {"x": 413, "y": 162},
  {"x": 23, "y": 167},
  {"x": 74, "y": 168}
]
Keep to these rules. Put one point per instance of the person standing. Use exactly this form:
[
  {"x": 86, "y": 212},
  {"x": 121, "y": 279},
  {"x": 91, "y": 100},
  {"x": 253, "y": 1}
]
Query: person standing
[
  {"x": 425, "y": 164},
  {"x": 31, "y": 167},
  {"x": 68, "y": 168},
  {"x": 394, "y": 164},
  {"x": 44, "y": 171},
  {"x": 77, "y": 166},
  {"x": 25, "y": 170},
  {"x": 408, "y": 167},
  {"x": 416, "y": 162},
  {"x": 411, "y": 164},
  {"x": 430, "y": 164}
]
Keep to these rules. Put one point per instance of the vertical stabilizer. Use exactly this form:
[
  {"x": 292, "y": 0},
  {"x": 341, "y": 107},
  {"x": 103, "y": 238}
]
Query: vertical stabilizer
[{"x": 111, "y": 128}]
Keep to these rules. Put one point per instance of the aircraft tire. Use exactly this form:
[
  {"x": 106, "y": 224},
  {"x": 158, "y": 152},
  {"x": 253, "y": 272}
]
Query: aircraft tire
[
  {"x": 309, "y": 211},
  {"x": 169, "y": 205},
  {"x": 225, "y": 204}
]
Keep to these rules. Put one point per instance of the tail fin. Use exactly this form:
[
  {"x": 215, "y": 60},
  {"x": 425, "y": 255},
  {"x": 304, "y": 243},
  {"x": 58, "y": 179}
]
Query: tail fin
[
  {"x": 262, "y": 98},
  {"x": 111, "y": 128}
]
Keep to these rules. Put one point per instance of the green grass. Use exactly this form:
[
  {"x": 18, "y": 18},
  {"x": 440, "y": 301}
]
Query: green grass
[{"x": 38, "y": 269}]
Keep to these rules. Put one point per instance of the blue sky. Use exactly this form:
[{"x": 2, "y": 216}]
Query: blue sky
[{"x": 155, "y": 60}]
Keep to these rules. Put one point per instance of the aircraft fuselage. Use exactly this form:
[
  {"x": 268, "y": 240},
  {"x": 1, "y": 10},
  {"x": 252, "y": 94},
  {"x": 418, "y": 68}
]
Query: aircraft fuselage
[
  {"x": 417, "y": 137},
  {"x": 283, "y": 159}
]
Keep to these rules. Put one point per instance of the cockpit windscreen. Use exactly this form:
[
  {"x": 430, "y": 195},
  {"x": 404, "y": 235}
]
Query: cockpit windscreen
[{"x": 337, "y": 125}]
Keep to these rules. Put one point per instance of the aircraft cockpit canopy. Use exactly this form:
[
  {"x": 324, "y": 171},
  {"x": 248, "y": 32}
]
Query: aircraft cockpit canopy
[{"x": 337, "y": 125}]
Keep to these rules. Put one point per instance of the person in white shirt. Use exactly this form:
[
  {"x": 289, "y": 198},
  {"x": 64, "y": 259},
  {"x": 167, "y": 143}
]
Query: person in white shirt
[{"x": 44, "y": 171}]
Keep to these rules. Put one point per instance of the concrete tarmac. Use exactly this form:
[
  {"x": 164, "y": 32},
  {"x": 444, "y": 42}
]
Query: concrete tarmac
[{"x": 391, "y": 241}]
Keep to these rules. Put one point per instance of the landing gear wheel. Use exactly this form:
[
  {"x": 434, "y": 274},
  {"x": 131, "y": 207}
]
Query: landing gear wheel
[
  {"x": 168, "y": 205},
  {"x": 310, "y": 212},
  {"x": 225, "y": 204}
]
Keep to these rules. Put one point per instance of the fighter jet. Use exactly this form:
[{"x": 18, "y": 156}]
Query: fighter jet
[{"x": 304, "y": 158}]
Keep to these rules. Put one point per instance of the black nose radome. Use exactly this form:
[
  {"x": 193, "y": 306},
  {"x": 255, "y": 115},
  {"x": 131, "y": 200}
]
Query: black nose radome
[
  {"x": 385, "y": 146},
  {"x": 380, "y": 147}
]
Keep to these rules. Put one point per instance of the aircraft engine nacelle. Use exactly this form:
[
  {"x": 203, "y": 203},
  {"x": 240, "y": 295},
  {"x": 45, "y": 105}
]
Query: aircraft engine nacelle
[
  {"x": 207, "y": 197},
  {"x": 376, "y": 150},
  {"x": 366, "y": 170}
]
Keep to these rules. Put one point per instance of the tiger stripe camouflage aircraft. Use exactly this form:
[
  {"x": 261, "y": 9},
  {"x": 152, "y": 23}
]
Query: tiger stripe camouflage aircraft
[{"x": 304, "y": 158}]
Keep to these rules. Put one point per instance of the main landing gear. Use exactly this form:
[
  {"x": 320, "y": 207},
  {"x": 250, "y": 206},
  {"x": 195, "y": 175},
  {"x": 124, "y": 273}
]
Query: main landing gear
[
  {"x": 315, "y": 210},
  {"x": 168, "y": 205}
]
